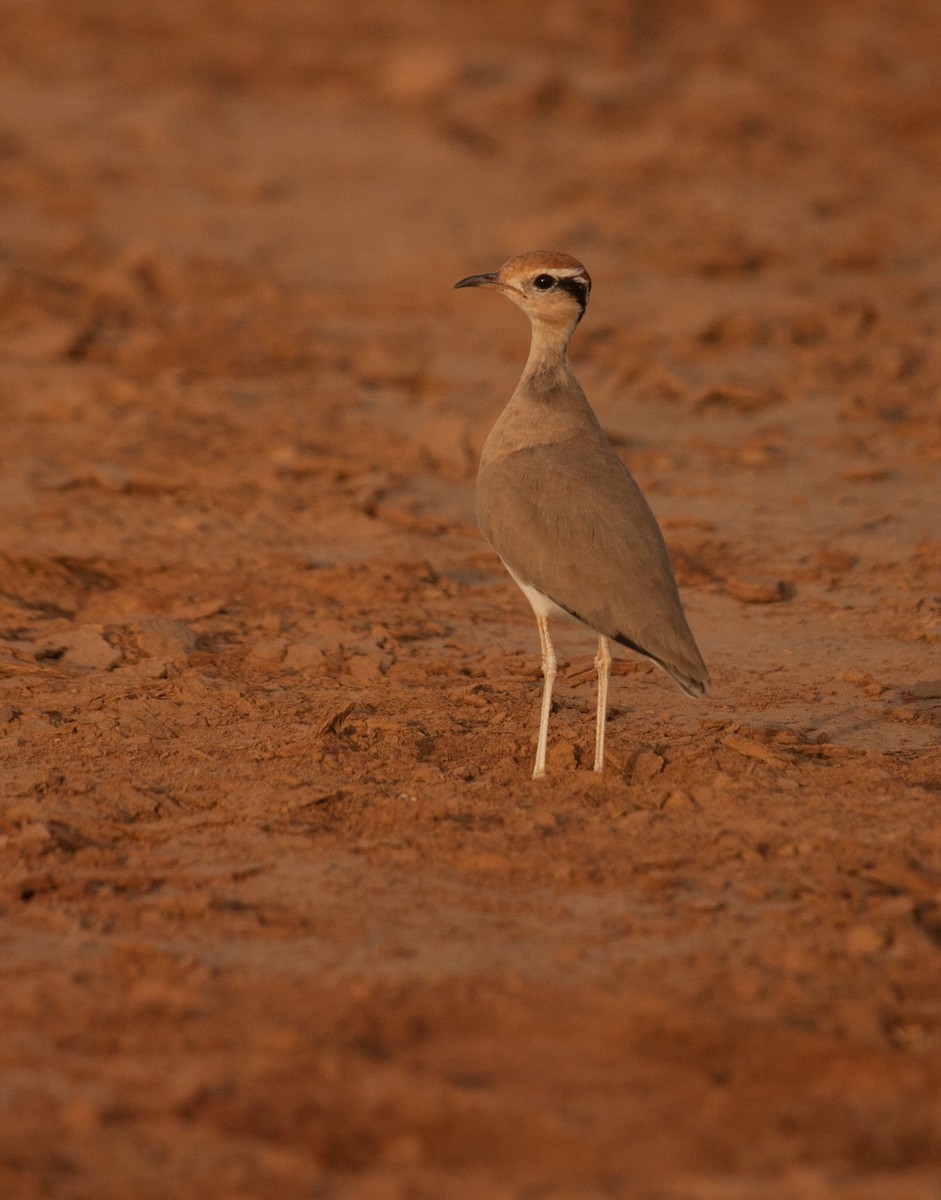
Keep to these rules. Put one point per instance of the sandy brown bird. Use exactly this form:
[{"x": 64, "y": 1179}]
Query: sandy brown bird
[{"x": 561, "y": 509}]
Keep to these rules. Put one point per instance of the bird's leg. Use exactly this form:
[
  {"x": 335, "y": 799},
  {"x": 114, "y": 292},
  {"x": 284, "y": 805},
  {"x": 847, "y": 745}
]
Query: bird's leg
[
  {"x": 603, "y": 666},
  {"x": 548, "y": 674}
]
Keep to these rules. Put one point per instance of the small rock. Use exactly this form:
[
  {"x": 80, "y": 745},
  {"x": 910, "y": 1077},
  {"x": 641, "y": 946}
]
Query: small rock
[
  {"x": 81, "y": 1116},
  {"x": 749, "y": 748},
  {"x": 863, "y": 939},
  {"x": 865, "y": 681},
  {"x": 88, "y": 648},
  {"x": 161, "y": 637},
  {"x": 300, "y": 655},
  {"x": 926, "y": 689},
  {"x": 738, "y": 397},
  {"x": 678, "y": 801},
  {"x": 270, "y": 650},
  {"x": 36, "y": 834},
  {"x": 418, "y": 73},
  {"x": 866, "y": 473},
  {"x": 110, "y": 477},
  {"x": 831, "y": 559},
  {"x": 646, "y": 766},
  {"x": 404, "y": 1151},
  {"x": 561, "y": 756},
  {"x": 756, "y": 591}
]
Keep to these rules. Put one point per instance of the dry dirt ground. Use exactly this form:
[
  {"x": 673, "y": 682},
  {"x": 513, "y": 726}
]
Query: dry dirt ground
[{"x": 281, "y": 912}]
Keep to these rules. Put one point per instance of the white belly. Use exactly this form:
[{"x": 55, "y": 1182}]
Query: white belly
[{"x": 542, "y": 606}]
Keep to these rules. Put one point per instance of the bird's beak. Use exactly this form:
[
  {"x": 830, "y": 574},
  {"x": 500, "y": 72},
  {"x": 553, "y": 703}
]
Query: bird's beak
[{"x": 489, "y": 280}]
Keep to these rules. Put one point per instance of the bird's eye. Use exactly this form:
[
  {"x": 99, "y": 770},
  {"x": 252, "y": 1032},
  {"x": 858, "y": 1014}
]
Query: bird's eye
[{"x": 543, "y": 282}]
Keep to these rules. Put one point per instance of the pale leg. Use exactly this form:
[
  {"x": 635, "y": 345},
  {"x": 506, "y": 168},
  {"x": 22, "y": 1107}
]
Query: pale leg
[
  {"x": 603, "y": 666},
  {"x": 548, "y": 674}
]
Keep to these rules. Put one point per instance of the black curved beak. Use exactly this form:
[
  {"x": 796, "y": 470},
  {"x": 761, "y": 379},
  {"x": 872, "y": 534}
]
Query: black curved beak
[{"x": 477, "y": 281}]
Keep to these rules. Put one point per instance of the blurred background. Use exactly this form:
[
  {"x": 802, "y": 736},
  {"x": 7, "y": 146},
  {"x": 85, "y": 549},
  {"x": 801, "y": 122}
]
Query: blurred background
[
  {"x": 753, "y": 188},
  {"x": 351, "y": 146}
]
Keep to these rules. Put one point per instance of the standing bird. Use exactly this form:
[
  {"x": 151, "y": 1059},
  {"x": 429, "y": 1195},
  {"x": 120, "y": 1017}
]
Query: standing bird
[{"x": 561, "y": 509}]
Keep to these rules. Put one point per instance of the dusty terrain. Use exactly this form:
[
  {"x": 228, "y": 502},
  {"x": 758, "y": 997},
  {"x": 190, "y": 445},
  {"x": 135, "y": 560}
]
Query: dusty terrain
[{"x": 282, "y": 913}]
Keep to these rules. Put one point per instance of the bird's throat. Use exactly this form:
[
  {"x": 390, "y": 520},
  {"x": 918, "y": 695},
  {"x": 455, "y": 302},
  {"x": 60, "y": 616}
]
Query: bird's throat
[{"x": 547, "y": 360}]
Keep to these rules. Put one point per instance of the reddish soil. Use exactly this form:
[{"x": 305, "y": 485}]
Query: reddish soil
[{"x": 283, "y": 914}]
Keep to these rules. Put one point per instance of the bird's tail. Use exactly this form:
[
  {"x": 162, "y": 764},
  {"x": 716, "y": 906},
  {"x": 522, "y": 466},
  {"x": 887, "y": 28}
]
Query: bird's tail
[
  {"x": 692, "y": 676},
  {"x": 692, "y": 685}
]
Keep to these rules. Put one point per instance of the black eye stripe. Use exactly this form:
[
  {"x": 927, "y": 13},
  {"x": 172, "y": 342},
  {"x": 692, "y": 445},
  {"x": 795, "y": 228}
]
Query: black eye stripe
[{"x": 577, "y": 288}]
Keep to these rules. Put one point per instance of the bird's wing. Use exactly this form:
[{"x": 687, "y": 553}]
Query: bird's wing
[{"x": 569, "y": 519}]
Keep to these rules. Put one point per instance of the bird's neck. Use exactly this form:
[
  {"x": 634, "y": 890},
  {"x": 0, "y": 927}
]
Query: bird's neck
[
  {"x": 547, "y": 362},
  {"x": 548, "y": 405}
]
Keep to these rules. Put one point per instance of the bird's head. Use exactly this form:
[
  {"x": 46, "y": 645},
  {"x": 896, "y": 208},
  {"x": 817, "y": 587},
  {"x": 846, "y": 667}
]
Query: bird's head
[{"x": 550, "y": 287}]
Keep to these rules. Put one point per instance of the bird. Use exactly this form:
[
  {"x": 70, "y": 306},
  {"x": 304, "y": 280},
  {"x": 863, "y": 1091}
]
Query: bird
[{"x": 561, "y": 509}]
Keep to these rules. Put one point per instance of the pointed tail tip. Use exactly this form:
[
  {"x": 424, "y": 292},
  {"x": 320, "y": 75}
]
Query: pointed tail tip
[{"x": 696, "y": 686}]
